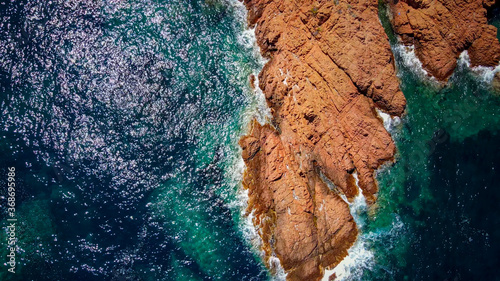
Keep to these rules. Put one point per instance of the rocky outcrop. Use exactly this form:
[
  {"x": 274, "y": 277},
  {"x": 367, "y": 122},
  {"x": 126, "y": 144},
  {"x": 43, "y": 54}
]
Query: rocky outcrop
[
  {"x": 441, "y": 29},
  {"x": 300, "y": 219},
  {"x": 330, "y": 66}
]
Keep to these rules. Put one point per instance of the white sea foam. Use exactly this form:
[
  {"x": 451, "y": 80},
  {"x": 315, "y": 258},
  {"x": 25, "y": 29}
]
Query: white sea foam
[
  {"x": 464, "y": 59},
  {"x": 359, "y": 255},
  {"x": 247, "y": 36},
  {"x": 410, "y": 59},
  {"x": 406, "y": 56},
  {"x": 352, "y": 267},
  {"x": 235, "y": 173},
  {"x": 390, "y": 122},
  {"x": 249, "y": 231},
  {"x": 251, "y": 234},
  {"x": 485, "y": 73},
  {"x": 358, "y": 205},
  {"x": 259, "y": 110},
  {"x": 247, "y": 39}
]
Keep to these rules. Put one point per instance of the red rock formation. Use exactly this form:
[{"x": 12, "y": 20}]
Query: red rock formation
[
  {"x": 330, "y": 66},
  {"x": 300, "y": 219},
  {"x": 440, "y": 30}
]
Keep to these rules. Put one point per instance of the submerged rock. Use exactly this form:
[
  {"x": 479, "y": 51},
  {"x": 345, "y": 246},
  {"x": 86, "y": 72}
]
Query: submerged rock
[{"x": 496, "y": 83}]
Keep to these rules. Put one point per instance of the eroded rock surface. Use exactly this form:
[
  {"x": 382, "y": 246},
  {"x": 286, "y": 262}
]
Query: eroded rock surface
[
  {"x": 330, "y": 66},
  {"x": 441, "y": 29}
]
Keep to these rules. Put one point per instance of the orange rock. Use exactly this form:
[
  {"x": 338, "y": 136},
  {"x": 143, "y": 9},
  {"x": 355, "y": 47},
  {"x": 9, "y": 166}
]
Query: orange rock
[
  {"x": 440, "y": 30},
  {"x": 301, "y": 221},
  {"x": 330, "y": 66}
]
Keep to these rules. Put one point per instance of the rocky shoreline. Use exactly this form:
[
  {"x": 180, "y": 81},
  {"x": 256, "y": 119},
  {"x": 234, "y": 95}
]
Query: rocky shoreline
[
  {"x": 441, "y": 30},
  {"x": 330, "y": 67}
]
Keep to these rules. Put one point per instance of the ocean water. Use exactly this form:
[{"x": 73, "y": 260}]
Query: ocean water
[
  {"x": 437, "y": 215},
  {"x": 122, "y": 120}
]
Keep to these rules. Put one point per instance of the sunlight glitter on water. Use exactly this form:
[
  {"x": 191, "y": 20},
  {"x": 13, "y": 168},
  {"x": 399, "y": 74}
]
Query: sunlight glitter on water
[{"x": 129, "y": 104}]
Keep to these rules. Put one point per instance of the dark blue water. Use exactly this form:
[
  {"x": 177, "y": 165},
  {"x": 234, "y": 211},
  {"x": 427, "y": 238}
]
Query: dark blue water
[
  {"x": 437, "y": 217},
  {"x": 121, "y": 119}
]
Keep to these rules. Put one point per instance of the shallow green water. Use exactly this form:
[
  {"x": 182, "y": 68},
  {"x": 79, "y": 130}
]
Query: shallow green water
[{"x": 437, "y": 216}]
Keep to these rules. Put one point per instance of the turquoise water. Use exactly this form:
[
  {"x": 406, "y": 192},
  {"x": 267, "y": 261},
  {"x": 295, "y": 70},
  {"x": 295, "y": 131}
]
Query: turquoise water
[
  {"x": 122, "y": 120},
  {"x": 437, "y": 216}
]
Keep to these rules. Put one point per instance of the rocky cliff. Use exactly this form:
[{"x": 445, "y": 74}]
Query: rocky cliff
[
  {"x": 441, "y": 29},
  {"x": 330, "y": 66}
]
